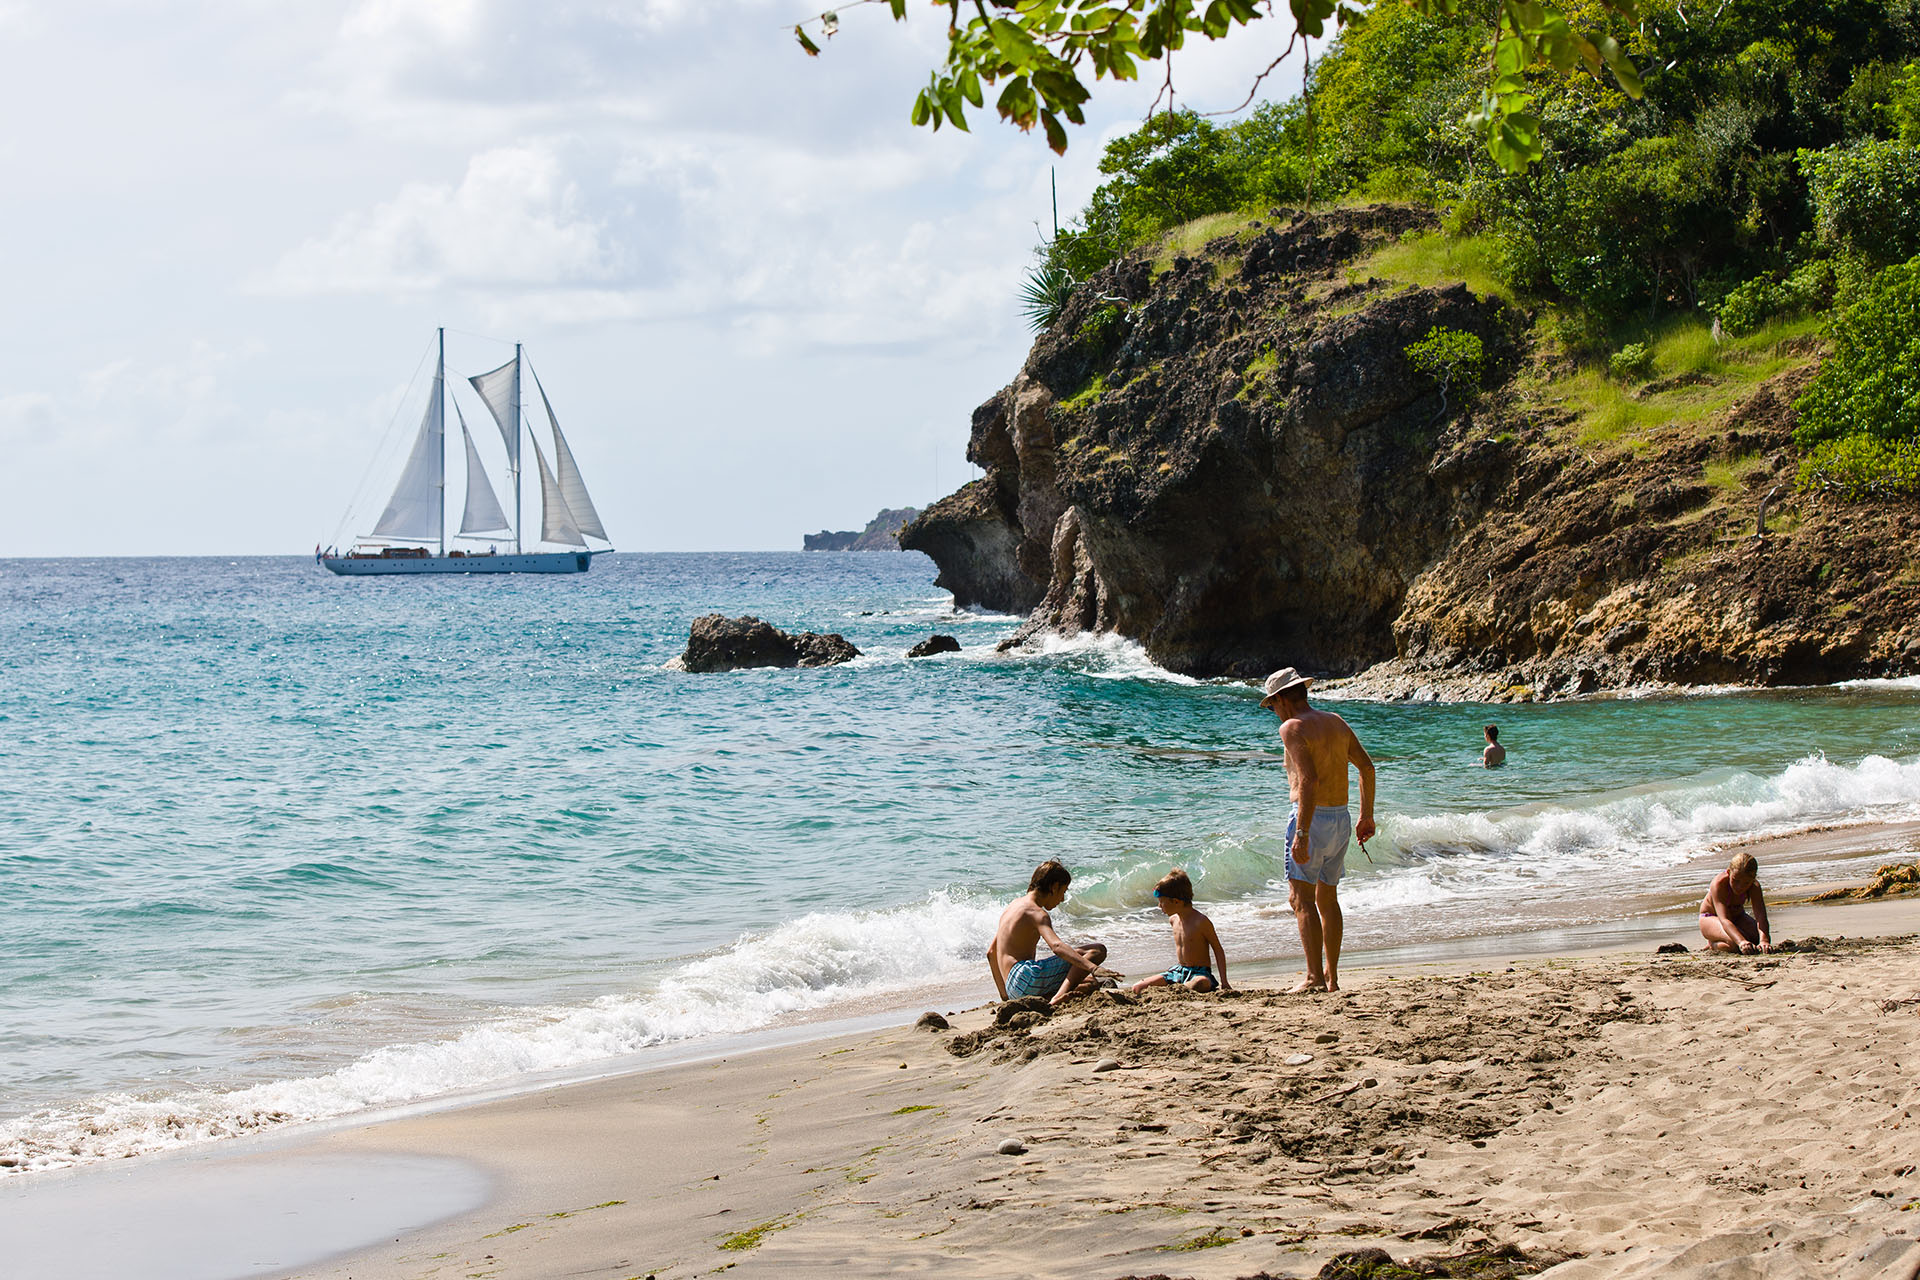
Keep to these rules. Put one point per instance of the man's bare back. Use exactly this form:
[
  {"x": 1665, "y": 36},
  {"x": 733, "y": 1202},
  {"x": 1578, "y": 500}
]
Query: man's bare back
[{"x": 1318, "y": 745}]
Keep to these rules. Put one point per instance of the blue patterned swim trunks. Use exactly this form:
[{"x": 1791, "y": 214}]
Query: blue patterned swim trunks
[
  {"x": 1181, "y": 974},
  {"x": 1040, "y": 977},
  {"x": 1326, "y": 846}
]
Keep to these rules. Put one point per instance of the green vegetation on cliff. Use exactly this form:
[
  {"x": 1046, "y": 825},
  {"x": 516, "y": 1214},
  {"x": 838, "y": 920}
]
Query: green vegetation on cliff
[{"x": 1678, "y": 248}]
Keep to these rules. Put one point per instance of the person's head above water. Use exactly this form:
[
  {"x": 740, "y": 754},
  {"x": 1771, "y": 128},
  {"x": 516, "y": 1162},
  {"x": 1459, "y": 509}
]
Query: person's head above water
[
  {"x": 1285, "y": 686},
  {"x": 1493, "y": 733},
  {"x": 1049, "y": 879},
  {"x": 1174, "y": 887}
]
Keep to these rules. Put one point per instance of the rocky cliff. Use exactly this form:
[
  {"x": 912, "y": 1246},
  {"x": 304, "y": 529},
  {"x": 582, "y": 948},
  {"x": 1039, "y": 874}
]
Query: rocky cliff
[{"x": 1232, "y": 458}]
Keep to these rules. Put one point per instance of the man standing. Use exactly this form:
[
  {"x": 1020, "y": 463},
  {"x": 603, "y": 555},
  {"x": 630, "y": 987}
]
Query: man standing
[{"x": 1319, "y": 748}]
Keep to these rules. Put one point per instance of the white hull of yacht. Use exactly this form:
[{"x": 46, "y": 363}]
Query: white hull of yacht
[{"x": 530, "y": 562}]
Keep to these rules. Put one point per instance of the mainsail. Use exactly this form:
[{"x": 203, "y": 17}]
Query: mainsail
[
  {"x": 572, "y": 487},
  {"x": 482, "y": 513},
  {"x": 419, "y": 499},
  {"x": 556, "y": 521},
  {"x": 500, "y": 390}
]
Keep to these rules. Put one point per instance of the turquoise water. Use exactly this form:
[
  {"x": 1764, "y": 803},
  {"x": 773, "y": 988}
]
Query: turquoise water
[{"x": 280, "y": 845}]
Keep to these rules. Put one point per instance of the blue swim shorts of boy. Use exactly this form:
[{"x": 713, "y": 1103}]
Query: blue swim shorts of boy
[
  {"x": 1181, "y": 974},
  {"x": 1326, "y": 846},
  {"x": 1040, "y": 977}
]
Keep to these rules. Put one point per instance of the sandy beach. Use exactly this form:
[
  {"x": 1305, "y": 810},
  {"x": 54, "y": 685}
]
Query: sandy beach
[{"x": 1612, "y": 1114}]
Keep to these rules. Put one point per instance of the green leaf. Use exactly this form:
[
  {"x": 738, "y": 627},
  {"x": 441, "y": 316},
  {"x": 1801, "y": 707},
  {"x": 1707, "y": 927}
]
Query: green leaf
[
  {"x": 1056, "y": 133},
  {"x": 970, "y": 86},
  {"x": 1311, "y": 15},
  {"x": 899, "y": 8},
  {"x": 922, "y": 110},
  {"x": 1014, "y": 44},
  {"x": 1515, "y": 143},
  {"x": 800, "y": 34}
]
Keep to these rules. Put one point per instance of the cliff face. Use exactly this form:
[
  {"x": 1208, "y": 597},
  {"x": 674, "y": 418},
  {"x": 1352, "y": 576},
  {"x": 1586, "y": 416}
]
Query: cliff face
[{"x": 1234, "y": 461}]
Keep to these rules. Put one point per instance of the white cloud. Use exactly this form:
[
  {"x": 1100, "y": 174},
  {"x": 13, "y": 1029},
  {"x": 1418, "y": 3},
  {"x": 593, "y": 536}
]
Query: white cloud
[{"x": 513, "y": 220}]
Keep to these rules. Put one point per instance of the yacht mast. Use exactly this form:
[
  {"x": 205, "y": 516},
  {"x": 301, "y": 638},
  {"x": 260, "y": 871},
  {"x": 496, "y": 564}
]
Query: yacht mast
[
  {"x": 518, "y": 519},
  {"x": 439, "y": 393}
]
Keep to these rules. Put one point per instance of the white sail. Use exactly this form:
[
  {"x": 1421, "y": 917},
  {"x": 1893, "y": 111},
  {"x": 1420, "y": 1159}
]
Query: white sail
[
  {"x": 415, "y": 509},
  {"x": 572, "y": 487},
  {"x": 482, "y": 513},
  {"x": 500, "y": 390},
  {"x": 556, "y": 521}
]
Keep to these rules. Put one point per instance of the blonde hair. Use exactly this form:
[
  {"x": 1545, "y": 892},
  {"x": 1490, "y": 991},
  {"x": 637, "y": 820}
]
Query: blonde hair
[{"x": 1743, "y": 867}]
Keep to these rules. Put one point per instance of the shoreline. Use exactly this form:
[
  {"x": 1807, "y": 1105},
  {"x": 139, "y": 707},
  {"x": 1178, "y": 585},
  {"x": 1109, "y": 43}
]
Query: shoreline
[
  {"x": 1653, "y": 912},
  {"x": 530, "y": 1165}
]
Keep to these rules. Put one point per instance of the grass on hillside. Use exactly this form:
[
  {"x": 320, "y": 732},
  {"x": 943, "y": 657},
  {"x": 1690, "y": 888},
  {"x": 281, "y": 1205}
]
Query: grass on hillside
[
  {"x": 1429, "y": 258},
  {"x": 1693, "y": 378}
]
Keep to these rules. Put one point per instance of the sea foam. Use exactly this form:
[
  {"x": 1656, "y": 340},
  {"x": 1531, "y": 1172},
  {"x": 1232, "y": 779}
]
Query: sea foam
[{"x": 812, "y": 963}]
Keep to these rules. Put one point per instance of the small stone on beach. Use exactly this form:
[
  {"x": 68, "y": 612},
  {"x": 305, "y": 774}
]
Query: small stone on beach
[
  {"x": 932, "y": 1021},
  {"x": 1013, "y": 1147},
  {"x": 1107, "y": 1064},
  {"x": 1298, "y": 1059},
  {"x": 1671, "y": 949}
]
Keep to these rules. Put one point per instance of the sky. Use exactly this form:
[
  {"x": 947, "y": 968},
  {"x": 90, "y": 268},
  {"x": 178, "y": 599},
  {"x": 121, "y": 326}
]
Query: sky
[{"x": 761, "y": 302}]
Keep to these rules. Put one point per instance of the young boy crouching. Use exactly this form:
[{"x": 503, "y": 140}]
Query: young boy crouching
[
  {"x": 1024, "y": 925},
  {"x": 1194, "y": 940}
]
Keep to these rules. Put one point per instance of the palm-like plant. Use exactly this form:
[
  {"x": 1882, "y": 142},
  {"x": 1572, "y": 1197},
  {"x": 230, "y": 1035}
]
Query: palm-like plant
[{"x": 1044, "y": 295}]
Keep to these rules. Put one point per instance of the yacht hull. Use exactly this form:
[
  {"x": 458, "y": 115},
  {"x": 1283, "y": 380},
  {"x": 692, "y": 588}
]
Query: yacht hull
[{"x": 532, "y": 562}]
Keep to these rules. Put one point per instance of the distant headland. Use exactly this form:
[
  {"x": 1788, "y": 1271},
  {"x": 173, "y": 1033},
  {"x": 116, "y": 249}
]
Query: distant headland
[{"x": 881, "y": 534}]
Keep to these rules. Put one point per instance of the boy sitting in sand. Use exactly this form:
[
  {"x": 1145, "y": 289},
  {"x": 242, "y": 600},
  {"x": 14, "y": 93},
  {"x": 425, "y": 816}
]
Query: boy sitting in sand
[
  {"x": 1194, "y": 941},
  {"x": 1724, "y": 922},
  {"x": 1023, "y": 926}
]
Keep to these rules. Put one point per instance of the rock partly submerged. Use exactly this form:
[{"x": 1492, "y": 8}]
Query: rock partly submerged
[
  {"x": 716, "y": 642},
  {"x": 934, "y": 644}
]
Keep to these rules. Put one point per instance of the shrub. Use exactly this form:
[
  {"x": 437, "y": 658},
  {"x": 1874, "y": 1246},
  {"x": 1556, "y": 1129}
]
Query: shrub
[
  {"x": 1765, "y": 298},
  {"x": 1635, "y": 360},
  {"x": 1863, "y": 467},
  {"x": 1866, "y": 197},
  {"x": 1860, "y": 416},
  {"x": 1451, "y": 358},
  {"x": 1102, "y": 329}
]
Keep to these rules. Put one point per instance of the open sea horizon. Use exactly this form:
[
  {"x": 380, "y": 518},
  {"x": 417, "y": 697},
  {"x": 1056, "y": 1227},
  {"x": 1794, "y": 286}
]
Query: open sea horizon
[{"x": 281, "y": 846}]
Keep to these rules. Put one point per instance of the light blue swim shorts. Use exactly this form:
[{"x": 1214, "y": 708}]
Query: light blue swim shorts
[
  {"x": 1040, "y": 977},
  {"x": 1326, "y": 846}
]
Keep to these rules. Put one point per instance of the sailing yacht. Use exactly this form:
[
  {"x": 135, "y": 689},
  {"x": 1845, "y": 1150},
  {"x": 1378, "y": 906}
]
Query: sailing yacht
[{"x": 417, "y": 511}]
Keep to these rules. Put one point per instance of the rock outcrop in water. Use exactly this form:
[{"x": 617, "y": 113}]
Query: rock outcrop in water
[
  {"x": 881, "y": 534},
  {"x": 1235, "y": 462},
  {"x": 716, "y": 642}
]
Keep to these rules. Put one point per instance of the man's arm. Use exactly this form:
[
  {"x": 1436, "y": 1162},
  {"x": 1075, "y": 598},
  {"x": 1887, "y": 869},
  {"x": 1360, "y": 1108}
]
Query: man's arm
[
  {"x": 1357, "y": 756},
  {"x": 993, "y": 963},
  {"x": 1065, "y": 952},
  {"x": 1300, "y": 756}
]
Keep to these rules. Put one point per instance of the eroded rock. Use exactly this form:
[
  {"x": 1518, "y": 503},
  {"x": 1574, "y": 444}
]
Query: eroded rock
[{"x": 716, "y": 642}]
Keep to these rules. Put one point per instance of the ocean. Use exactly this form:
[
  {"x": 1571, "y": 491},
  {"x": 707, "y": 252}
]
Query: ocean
[{"x": 277, "y": 846}]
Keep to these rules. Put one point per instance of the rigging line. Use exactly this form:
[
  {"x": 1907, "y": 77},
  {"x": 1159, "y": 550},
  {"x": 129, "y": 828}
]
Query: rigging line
[
  {"x": 483, "y": 337},
  {"x": 386, "y": 437}
]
